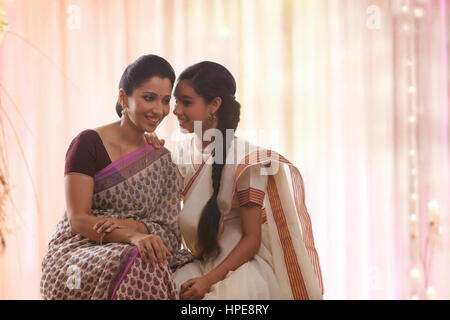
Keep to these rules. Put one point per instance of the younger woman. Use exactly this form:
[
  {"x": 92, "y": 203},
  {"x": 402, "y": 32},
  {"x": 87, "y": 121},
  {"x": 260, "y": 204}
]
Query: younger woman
[{"x": 244, "y": 220}]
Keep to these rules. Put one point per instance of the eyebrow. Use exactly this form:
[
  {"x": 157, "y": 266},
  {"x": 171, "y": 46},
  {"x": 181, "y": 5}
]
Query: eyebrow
[
  {"x": 167, "y": 95},
  {"x": 185, "y": 97}
]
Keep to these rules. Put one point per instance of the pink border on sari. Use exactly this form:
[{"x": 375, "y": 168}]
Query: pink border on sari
[
  {"x": 129, "y": 158},
  {"x": 134, "y": 254}
]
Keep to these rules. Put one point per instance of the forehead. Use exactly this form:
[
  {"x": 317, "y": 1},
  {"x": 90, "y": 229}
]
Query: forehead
[
  {"x": 183, "y": 88},
  {"x": 160, "y": 86}
]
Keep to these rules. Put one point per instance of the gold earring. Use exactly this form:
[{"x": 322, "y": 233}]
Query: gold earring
[{"x": 212, "y": 117}]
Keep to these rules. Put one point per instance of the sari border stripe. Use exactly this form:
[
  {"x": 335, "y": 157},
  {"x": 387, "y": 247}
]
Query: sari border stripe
[
  {"x": 191, "y": 181},
  {"x": 130, "y": 169},
  {"x": 251, "y": 195},
  {"x": 298, "y": 286},
  {"x": 299, "y": 197},
  {"x": 263, "y": 155},
  {"x": 131, "y": 157},
  {"x": 126, "y": 261}
]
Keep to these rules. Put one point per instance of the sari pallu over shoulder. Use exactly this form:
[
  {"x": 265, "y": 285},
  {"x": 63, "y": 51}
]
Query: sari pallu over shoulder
[{"x": 284, "y": 212}]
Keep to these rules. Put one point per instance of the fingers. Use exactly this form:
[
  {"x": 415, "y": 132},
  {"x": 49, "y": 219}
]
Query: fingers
[
  {"x": 151, "y": 255},
  {"x": 158, "y": 251},
  {"x": 113, "y": 227},
  {"x": 167, "y": 252},
  {"x": 192, "y": 290},
  {"x": 187, "y": 285},
  {"x": 98, "y": 226},
  {"x": 153, "y": 251},
  {"x": 157, "y": 143},
  {"x": 143, "y": 252},
  {"x": 189, "y": 294},
  {"x": 153, "y": 140},
  {"x": 148, "y": 137},
  {"x": 105, "y": 225},
  {"x": 184, "y": 294}
]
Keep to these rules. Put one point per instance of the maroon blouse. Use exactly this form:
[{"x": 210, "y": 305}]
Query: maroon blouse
[{"x": 86, "y": 154}]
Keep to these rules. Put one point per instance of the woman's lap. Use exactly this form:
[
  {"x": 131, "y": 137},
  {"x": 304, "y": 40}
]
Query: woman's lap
[{"x": 97, "y": 272}]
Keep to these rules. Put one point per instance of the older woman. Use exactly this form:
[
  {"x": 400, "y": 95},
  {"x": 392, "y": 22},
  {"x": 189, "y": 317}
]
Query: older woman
[{"x": 119, "y": 237}]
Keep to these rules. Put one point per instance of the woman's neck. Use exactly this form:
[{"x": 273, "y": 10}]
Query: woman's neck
[
  {"x": 199, "y": 141},
  {"x": 129, "y": 133}
]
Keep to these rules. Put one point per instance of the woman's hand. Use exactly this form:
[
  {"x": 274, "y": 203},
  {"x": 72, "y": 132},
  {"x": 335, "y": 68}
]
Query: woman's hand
[
  {"x": 152, "y": 139},
  {"x": 107, "y": 225},
  {"x": 195, "y": 289},
  {"x": 151, "y": 248}
]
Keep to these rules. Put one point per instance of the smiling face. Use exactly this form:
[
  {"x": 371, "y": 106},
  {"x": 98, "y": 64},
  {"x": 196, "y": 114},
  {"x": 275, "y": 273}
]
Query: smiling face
[
  {"x": 148, "y": 104},
  {"x": 190, "y": 107}
]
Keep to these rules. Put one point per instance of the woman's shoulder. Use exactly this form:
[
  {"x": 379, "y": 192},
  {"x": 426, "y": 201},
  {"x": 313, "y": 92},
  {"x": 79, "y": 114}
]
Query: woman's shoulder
[
  {"x": 106, "y": 132},
  {"x": 243, "y": 148},
  {"x": 250, "y": 146},
  {"x": 80, "y": 156},
  {"x": 165, "y": 164},
  {"x": 86, "y": 141},
  {"x": 94, "y": 137},
  {"x": 86, "y": 153},
  {"x": 182, "y": 148},
  {"x": 84, "y": 138}
]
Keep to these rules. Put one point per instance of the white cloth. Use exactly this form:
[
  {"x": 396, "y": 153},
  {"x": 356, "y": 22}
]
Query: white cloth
[{"x": 266, "y": 275}]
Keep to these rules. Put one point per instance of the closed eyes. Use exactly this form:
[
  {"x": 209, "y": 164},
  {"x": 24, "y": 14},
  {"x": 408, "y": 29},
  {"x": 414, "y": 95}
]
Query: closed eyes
[{"x": 185, "y": 102}]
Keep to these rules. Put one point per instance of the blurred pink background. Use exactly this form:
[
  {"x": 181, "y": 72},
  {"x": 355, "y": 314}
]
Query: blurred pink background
[{"x": 354, "y": 92}]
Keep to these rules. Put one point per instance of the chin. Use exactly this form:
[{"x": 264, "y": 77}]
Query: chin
[{"x": 148, "y": 128}]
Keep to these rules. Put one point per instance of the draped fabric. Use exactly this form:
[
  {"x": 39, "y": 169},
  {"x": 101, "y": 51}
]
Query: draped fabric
[
  {"x": 286, "y": 265},
  {"x": 141, "y": 186},
  {"x": 324, "y": 82}
]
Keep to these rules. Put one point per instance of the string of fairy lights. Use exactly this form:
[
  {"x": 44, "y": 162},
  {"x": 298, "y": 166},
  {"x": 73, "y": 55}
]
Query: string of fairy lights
[{"x": 420, "y": 259}]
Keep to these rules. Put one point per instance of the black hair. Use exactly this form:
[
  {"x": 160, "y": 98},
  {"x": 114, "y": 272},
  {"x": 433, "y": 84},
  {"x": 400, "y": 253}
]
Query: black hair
[
  {"x": 144, "y": 68},
  {"x": 211, "y": 80}
]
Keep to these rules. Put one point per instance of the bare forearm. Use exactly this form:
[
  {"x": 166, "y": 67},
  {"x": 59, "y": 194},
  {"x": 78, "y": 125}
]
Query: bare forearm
[
  {"x": 134, "y": 225},
  {"x": 243, "y": 252},
  {"x": 84, "y": 225},
  {"x": 122, "y": 235}
]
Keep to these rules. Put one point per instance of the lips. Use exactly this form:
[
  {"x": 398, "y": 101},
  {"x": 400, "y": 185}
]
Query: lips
[{"x": 153, "y": 121}]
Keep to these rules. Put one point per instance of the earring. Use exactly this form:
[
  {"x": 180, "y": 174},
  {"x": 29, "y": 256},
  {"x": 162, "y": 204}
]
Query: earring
[
  {"x": 124, "y": 111},
  {"x": 212, "y": 117}
]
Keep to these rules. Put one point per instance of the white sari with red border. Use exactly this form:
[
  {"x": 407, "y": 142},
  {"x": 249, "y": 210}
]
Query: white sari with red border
[{"x": 287, "y": 264}]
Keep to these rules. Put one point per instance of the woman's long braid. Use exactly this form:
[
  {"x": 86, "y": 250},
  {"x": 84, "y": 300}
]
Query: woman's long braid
[
  {"x": 211, "y": 80},
  {"x": 209, "y": 224}
]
